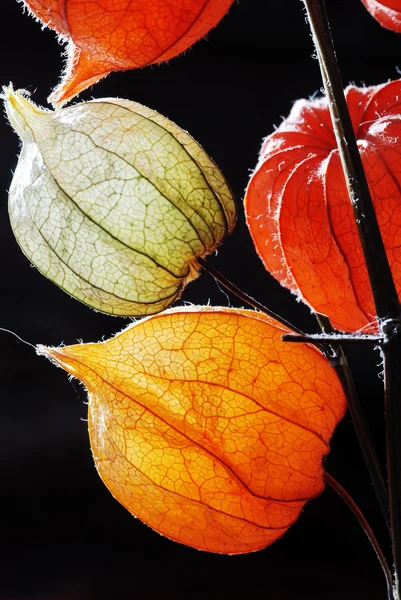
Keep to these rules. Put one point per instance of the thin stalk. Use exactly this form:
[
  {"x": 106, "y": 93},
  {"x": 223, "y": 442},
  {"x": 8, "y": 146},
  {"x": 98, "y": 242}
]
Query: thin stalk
[
  {"x": 337, "y": 487},
  {"x": 341, "y": 366},
  {"x": 392, "y": 388},
  {"x": 243, "y": 296},
  {"x": 317, "y": 339},
  {"x": 380, "y": 276},
  {"x": 363, "y": 435}
]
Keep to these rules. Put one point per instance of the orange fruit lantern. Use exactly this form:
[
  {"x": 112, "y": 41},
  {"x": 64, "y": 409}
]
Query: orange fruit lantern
[{"x": 299, "y": 213}]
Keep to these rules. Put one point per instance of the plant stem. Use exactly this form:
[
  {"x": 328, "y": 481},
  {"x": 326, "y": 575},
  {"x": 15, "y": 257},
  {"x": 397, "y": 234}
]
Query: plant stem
[
  {"x": 337, "y": 487},
  {"x": 317, "y": 339},
  {"x": 392, "y": 393},
  {"x": 363, "y": 435},
  {"x": 380, "y": 276},
  {"x": 243, "y": 296},
  {"x": 341, "y": 366}
]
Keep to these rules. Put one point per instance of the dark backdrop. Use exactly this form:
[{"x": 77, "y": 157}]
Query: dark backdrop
[{"x": 62, "y": 535}]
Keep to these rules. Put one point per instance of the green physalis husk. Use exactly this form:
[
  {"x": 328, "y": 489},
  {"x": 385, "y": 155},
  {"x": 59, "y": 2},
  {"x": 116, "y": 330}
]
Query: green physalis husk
[{"x": 113, "y": 202}]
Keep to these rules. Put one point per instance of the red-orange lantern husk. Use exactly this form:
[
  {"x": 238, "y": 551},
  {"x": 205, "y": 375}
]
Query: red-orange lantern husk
[
  {"x": 386, "y": 12},
  {"x": 298, "y": 209},
  {"x": 115, "y": 35}
]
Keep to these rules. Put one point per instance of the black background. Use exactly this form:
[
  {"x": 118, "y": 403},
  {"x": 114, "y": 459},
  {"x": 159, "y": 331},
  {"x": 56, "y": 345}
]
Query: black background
[{"x": 62, "y": 535}]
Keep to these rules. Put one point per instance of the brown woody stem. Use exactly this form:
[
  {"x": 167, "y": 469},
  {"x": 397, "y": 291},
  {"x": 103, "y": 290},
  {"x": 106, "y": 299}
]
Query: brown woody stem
[{"x": 383, "y": 288}]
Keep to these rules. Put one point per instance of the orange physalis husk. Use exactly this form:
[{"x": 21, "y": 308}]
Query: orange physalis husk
[
  {"x": 299, "y": 212},
  {"x": 206, "y": 426},
  {"x": 115, "y": 35},
  {"x": 386, "y": 12}
]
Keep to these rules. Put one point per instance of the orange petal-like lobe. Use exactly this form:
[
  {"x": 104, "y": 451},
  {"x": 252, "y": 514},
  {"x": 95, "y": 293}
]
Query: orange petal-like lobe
[
  {"x": 206, "y": 426},
  {"x": 114, "y": 35},
  {"x": 299, "y": 213},
  {"x": 386, "y": 12}
]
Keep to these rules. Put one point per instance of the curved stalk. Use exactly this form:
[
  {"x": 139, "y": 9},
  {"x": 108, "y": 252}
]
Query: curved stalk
[
  {"x": 337, "y": 487},
  {"x": 243, "y": 296}
]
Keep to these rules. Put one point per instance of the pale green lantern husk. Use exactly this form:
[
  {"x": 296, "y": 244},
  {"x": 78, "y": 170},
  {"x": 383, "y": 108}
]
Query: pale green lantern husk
[{"x": 113, "y": 202}]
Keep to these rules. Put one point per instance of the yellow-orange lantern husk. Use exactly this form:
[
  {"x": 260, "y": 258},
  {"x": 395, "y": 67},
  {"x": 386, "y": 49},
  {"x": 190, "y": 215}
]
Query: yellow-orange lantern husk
[{"x": 206, "y": 426}]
